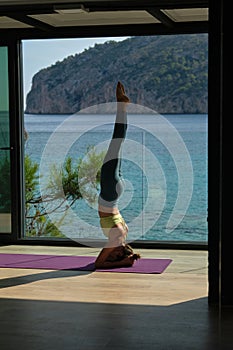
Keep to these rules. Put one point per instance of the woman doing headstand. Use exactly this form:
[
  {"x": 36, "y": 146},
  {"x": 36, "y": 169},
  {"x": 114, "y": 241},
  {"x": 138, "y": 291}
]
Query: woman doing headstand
[{"x": 116, "y": 252}]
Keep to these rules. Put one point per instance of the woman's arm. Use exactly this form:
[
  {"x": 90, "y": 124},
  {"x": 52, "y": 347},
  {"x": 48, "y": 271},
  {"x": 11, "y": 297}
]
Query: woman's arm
[{"x": 103, "y": 262}]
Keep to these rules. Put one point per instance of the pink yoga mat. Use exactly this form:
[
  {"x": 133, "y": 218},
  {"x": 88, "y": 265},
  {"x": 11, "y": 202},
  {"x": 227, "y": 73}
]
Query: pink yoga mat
[{"x": 79, "y": 263}]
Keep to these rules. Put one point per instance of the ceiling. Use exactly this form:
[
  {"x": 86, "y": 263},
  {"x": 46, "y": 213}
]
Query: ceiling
[{"x": 57, "y": 15}]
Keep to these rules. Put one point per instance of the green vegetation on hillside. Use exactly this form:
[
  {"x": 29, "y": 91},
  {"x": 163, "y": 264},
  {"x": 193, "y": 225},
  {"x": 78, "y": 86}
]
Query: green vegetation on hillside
[{"x": 166, "y": 73}]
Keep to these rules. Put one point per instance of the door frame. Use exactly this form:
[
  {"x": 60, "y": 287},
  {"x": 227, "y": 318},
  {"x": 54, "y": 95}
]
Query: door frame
[{"x": 16, "y": 139}]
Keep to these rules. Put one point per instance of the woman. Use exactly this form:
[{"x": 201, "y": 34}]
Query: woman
[{"x": 116, "y": 252}]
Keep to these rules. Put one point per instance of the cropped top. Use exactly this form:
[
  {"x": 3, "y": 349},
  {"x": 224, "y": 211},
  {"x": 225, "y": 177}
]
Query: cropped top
[{"x": 108, "y": 222}]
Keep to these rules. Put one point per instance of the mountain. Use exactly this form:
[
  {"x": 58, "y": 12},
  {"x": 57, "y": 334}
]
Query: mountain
[{"x": 168, "y": 74}]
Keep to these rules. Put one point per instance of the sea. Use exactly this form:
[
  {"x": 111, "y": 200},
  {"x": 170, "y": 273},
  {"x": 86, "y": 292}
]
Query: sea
[{"x": 164, "y": 164}]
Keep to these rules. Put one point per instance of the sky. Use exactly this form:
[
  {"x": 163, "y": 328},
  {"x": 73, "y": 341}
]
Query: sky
[{"x": 38, "y": 54}]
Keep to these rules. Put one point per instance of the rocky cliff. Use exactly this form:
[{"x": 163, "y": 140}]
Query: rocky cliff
[{"x": 166, "y": 73}]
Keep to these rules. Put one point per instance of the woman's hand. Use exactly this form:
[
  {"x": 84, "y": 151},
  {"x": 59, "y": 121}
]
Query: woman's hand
[{"x": 125, "y": 262}]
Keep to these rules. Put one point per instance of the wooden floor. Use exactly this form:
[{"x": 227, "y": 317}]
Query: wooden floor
[{"x": 47, "y": 309}]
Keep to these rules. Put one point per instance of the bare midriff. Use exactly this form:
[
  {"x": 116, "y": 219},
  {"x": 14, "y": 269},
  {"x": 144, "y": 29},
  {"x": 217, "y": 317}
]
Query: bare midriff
[{"x": 105, "y": 211}]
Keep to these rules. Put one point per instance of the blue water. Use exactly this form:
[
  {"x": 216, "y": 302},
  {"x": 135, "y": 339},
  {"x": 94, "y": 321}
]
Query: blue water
[{"x": 155, "y": 159}]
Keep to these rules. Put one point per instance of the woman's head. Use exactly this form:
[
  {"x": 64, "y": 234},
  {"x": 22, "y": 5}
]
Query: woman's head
[{"x": 122, "y": 252}]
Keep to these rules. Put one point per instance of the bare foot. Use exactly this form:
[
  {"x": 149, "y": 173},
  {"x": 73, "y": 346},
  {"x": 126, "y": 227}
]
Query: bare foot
[{"x": 120, "y": 93}]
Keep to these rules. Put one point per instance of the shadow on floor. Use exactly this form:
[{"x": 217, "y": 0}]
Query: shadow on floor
[
  {"x": 53, "y": 325},
  {"x": 16, "y": 281}
]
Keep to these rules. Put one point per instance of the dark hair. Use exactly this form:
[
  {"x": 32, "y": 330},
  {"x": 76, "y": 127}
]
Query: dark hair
[{"x": 124, "y": 252}]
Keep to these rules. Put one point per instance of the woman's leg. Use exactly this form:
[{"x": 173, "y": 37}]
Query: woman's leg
[{"x": 112, "y": 184}]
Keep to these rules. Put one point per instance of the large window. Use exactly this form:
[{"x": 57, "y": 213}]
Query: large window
[{"x": 69, "y": 115}]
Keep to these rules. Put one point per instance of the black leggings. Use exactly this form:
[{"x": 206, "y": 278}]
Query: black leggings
[{"x": 111, "y": 181}]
